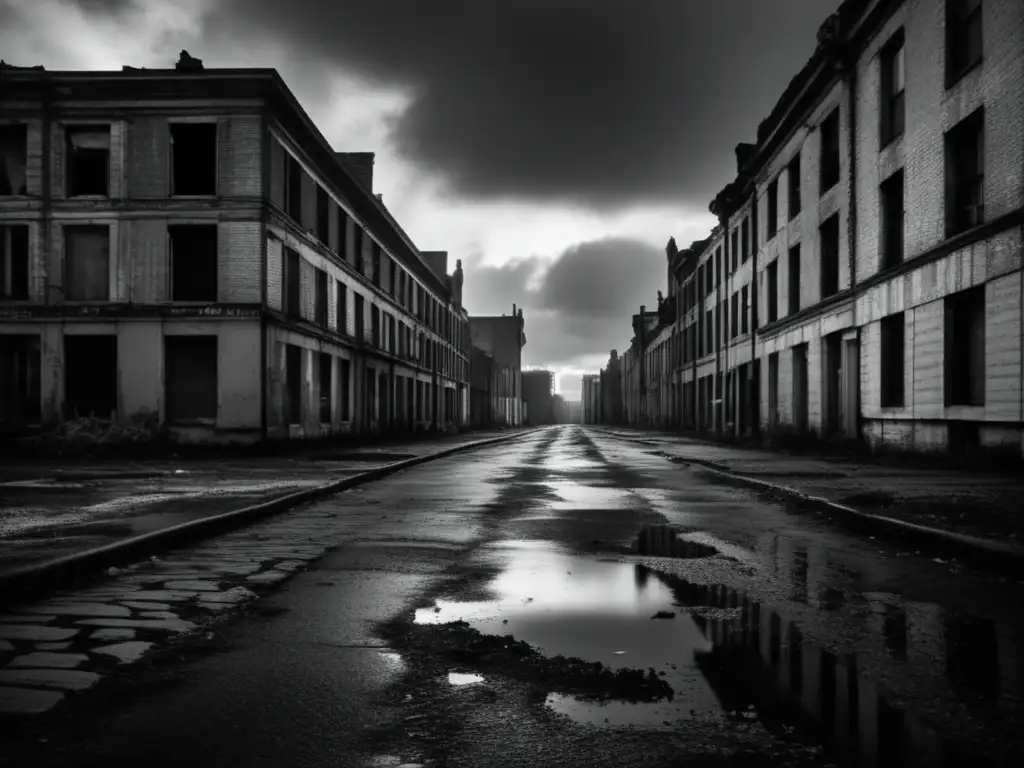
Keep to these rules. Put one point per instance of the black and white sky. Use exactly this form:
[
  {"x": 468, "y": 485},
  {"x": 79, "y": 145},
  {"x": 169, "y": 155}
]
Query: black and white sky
[{"x": 553, "y": 145}]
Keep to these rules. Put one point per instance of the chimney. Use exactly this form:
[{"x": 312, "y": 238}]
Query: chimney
[
  {"x": 744, "y": 154},
  {"x": 438, "y": 262},
  {"x": 188, "y": 63},
  {"x": 360, "y": 165}
]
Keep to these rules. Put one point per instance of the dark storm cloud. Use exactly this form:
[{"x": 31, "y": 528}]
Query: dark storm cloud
[
  {"x": 601, "y": 102},
  {"x": 583, "y": 301}
]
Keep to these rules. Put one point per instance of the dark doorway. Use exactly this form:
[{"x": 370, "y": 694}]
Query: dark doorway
[
  {"x": 90, "y": 376},
  {"x": 833, "y": 383},
  {"x": 20, "y": 384}
]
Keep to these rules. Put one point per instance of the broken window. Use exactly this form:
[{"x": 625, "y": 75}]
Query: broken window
[
  {"x": 773, "y": 291},
  {"x": 794, "y": 279},
  {"x": 88, "y": 160},
  {"x": 828, "y": 173},
  {"x": 190, "y": 368},
  {"x": 323, "y": 214},
  {"x": 14, "y": 262},
  {"x": 13, "y": 159},
  {"x": 344, "y": 383},
  {"x": 828, "y": 234},
  {"x": 965, "y": 174},
  {"x": 293, "y": 383},
  {"x": 893, "y": 86},
  {"x": 87, "y": 263},
  {"x": 963, "y": 38},
  {"x": 892, "y": 359},
  {"x": 325, "y": 387},
  {"x": 773, "y": 208},
  {"x": 193, "y": 158},
  {"x": 90, "y": 376},
  {"x": 891, "y": 193},
  {"x": 291, "y": 283},
  {"x": 320, "y": 300},
  {"x": 193, "y": 262},
  {"x": 965, "y": 347},
  {"x": 793, "y": 180},
  {"x": 293, "y": 189},
  {"x": 20, "y": 382}
]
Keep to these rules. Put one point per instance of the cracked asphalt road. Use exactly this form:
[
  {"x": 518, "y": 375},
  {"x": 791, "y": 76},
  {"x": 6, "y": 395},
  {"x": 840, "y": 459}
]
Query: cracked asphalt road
[{"x": 781, "y": 639}]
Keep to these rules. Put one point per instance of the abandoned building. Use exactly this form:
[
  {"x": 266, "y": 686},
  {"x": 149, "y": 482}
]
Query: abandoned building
[
  {"x": 503, "y": 339},
  {"x": 185, "y": 247},
  {"x": 864, "y": 281}
]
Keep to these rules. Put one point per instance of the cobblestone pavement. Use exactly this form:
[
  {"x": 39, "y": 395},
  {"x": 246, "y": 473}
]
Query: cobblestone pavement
[
  {"x": 49, "y": 510},
  {"x": 980, "y": 505}
]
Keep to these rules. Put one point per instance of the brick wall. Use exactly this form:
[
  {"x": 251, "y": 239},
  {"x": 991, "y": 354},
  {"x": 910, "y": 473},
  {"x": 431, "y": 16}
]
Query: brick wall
[
  {"x": 275, "y": 261},
  {"x": 240, "y": 249},
  {"x": 1003, "y": 374},
  {"x": 150, "y": 262},
  {"x": 148, "y": 157},
  {"x": 239, "y": 161}
]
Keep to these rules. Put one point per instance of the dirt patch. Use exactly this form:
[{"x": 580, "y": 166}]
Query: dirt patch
[{"x": 460, "y": 644}]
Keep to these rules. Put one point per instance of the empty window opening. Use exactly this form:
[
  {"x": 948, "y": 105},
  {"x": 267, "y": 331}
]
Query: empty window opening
[
  {"x": 343, "y": 234},
  {"x": 892, "y": 360},
  {"x": 193, "y": 262},
  {"x": 893, "y": 86},
  {"x": 734, "y": 256},
  {"x": 357, "y": 246},
  {"x": 291, "y": 283},
  {"x": 891, "y": 194},
  {"x": 13, "y": 159},
  {"x": 963, "y": 38},
  {"x": 375, "y": 326},
  {"x": 965, "y": 174},
  {"x": 344, "y": 385},
  {"x": 341, "y": 311},
  {"x": 965, "y": 347},
  {"x": 14, "y": 263},
  {"x": 90, "y": 376},
  {"x": 20, "y": 382},
  {"x": 793, "y": 181},
  {"x": 828, "y": 235},
  {"x": 293, "y": 188},
  {"x": 190, "y": 364},
  {"x": 325, "y": 363},
  {"x": 794, "y": 280},
  {"x": 88, "y": 160},
  {"x": 194, "y": 158},
  {"x": 745, "y": 238},
  {"x": 734, "y": 316},
  {"x": 745, "y": 309},
  {"x": 323, "y": 214},
  {"x": 829, "y": 170},
  {"x": 293, "y": 383},
  {"x": 376, "y": 263},
  {"x": 773, "y": 291},
  {"x": 87, "y": 263},
  {"x": 321, "y": 298},
  {"x": 773, "y": 208},
  {"x": 360, "y": 317}
]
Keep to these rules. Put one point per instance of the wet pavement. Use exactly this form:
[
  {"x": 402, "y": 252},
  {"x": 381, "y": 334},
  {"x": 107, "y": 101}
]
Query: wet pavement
[
  {"x": 50, "y": 510},
  {"x": 568, "y": 599}
]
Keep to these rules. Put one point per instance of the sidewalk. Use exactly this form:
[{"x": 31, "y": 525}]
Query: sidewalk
[
  {"x": 52, "y": 509},
  {"x": 985, "y": 506}
]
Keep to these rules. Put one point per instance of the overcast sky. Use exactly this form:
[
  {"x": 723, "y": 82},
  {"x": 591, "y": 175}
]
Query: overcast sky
[{"x": 553, "y": 145}]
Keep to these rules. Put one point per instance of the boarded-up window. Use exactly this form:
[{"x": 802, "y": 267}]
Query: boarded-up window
[
  {"x": 193, "y": 262},
  {"x": 293, "y": 383},
  {"x": 87, "y": 263},
  {"x": 13, "y": 159},
  {"x": 88, "y": 160},
  {"x": 90, "y": 376},
  {"x": 190, "y": 364},
  {"x": 892, "y": 359},
  {"x": 324, "y": 366},
  {"x": 194, "y": 159},
  {"x": 14, "y": 263}
]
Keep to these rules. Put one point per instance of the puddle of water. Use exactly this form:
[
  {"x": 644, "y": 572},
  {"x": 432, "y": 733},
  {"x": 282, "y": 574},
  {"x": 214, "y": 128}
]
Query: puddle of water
[
  {"x": 597, "y": 611},
  {"x": 464, "y": 678},
  {"x": 575, "y": 495}
]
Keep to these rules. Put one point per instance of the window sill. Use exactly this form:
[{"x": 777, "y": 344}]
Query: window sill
[
  {"x": 953, "y": 79},
  {"x": 886, "y": 142}
]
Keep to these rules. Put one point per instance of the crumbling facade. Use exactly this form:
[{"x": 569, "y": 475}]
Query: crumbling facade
[
  {"x": 864, "y": 280},
  {"x": 183, "y": 246}
]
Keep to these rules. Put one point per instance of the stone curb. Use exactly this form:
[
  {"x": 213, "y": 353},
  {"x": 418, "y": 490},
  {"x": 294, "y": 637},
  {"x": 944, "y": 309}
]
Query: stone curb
[
  {"x": 23, "y": 584},
  {"x": 984, "y": 553}
]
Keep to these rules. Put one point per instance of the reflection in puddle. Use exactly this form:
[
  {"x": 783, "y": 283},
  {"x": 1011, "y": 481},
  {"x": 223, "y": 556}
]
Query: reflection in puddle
[
  {"x": 574, "y": 495},
  {"x": 464, "y": 678},
  {"x": 664, "y": 541}
]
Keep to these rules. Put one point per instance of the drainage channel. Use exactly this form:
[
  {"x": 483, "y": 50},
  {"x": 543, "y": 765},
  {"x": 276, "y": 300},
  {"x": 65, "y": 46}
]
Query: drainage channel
[{"x": 720, "y": 657}]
